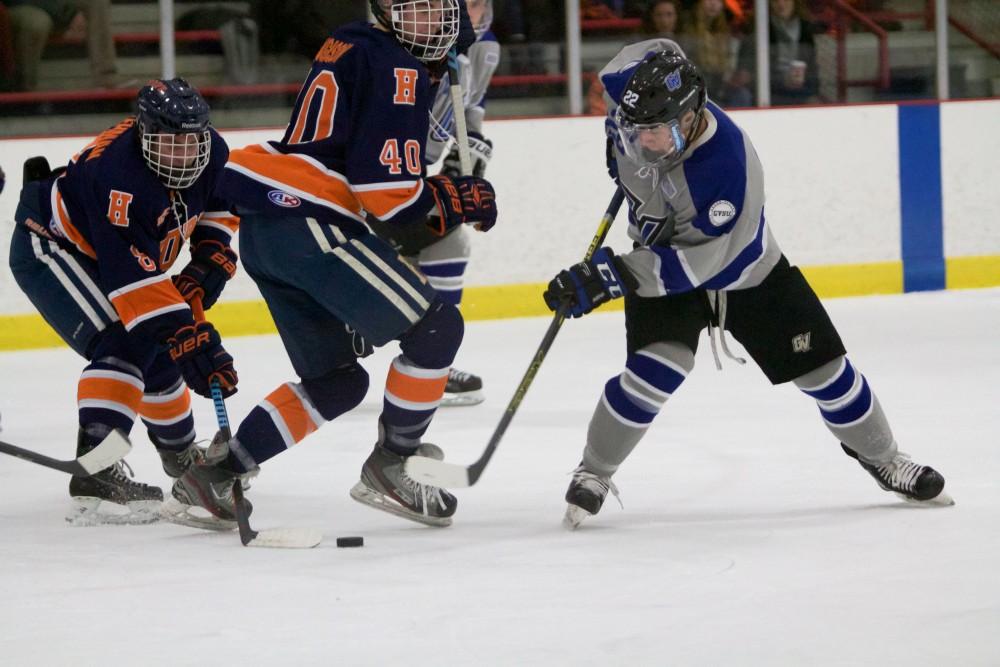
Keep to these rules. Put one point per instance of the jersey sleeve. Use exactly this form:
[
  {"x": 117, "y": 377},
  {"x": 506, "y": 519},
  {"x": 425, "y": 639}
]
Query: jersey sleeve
[{"x": 128, "y": 253}]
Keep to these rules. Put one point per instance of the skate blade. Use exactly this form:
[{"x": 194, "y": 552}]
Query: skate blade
[
  {"x": 175, "y": 511},
  {"x": 91, "y": 511},
  {"x": 940, "y": 500},
  {"x": 367, "y": 496},
  {"x": 574, "y": 517},
  {"x": 464, "y": 399}
]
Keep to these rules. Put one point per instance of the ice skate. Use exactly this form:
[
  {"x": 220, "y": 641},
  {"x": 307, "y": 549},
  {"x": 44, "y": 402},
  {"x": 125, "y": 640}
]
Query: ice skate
[
  {"x": 386, "y": 487},
  {"x": 910, "y": 481},
  {"x": 203, "y": 498},
  {"x": 111, "y": 496},
  {"x": 585, "y": 496},
  {"x": 176, "y": 462},
  {"x": 462, "y": 389}
]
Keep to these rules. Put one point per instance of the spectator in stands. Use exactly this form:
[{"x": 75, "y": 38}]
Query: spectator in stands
[
  {"x": 710, "y": 43},
  {"x": 301, "y": 26},
  {"x": 794, "y": 76},
  {"x": 34, "y": 22}
]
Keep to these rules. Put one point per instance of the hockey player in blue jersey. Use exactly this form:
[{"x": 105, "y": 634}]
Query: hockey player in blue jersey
[
  {"x": 353, "y": 150},
  {"x": 91, "y": 250},
  {"x": 444, "y": 260},
  {"x": 705, "y": 257}
]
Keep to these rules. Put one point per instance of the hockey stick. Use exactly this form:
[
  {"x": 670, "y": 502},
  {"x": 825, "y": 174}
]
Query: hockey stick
[
  {"x": 450, "y": 475},
  {"x": 279, "y": 538},
  {"x": 458, "y": 111},
  {"x": 110, "y": 451}
]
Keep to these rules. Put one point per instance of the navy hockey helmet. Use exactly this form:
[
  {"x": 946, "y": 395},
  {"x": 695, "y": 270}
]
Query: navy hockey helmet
[
  {"x": 660, "y": 109},
  {"x": 173, "y": 121},
  {"x": 425, "y": 28}
]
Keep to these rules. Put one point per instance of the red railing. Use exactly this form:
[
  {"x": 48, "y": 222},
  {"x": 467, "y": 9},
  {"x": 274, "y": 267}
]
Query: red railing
[
  {"x": 149, "y": 37},
  {"x": 991, "y": 48},
  {"x": 843, "y": 11}
]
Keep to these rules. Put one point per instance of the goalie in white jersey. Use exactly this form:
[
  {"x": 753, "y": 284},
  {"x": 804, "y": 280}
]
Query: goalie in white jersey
[
  {"x": 444, "y": 260},
  {"x": 705, "y": 257}
]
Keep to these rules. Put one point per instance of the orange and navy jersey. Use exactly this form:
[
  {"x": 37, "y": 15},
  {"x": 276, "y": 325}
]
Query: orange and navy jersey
[
  {"x": 110, "y": 206},
  {"x": 354, "y": 145}
]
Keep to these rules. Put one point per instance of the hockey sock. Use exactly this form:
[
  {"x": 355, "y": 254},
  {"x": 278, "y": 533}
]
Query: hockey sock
[
  {"x": 849, "y": 409},
  {"x": 293, "y": 411},
  {"x": 447, "y": 277},
  {"x": 110, "y": 393},
  {"x": 630, "y": 402},
  {"x": 412, "y": 395},
  {"x": 167, "y": 416}
]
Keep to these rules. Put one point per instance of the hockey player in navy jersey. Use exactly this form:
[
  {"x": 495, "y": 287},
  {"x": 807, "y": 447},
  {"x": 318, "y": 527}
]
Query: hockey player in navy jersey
[
  {"x": 91, "y": 250},
  {"x": 353, "y": 149},
  {"x": 705, "y": 257},
  {"x": 444, "y": 260}
]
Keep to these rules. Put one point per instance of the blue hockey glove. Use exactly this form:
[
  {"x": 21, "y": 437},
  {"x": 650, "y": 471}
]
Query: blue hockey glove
[
  {"x": 463, "y": 200},
  {"x": 480, "y": 150},
  {"x": 197, "y": 350},
  {"x": 584, "y": 286},
  {"x": 211, "y": 265}
]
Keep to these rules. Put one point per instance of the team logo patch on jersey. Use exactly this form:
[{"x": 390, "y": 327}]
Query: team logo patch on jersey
[
  {"x": 802, "y": 342},
  {"x": 283, "y": 199},
  {"x": 721, "y": 212},
  {"x": 673, "y": 80}
]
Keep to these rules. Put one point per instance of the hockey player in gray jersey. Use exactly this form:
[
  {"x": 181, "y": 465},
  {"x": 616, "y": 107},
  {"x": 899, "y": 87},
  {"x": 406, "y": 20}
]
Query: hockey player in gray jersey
[
  {"x": 705, "y": 257},
  {"x": 444, "y": 260}
]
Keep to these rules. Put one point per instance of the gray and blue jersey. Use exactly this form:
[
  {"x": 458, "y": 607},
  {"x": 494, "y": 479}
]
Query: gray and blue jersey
[{"x": 701, "y": 223}]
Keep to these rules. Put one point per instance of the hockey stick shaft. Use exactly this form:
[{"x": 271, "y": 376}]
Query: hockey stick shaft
[
  {"x": 458, "y": 111},
  {"x": 445, "y": 474}
]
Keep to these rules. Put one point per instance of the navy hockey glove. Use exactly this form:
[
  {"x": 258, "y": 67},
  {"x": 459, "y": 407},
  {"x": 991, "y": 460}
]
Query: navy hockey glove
[
  {"x": 211, "y": 265},
  {"x": 463, "y": 200},
  {"x": 480, "y": 150},
  {"x": 197, "y": 350},
  {"x": 584, "y": 286}
]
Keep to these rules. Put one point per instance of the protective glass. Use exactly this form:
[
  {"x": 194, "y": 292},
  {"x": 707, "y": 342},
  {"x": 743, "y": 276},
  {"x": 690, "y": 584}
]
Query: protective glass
[
  {"x": 426, "y": 28},
  {"x": 178, "y": 159}
]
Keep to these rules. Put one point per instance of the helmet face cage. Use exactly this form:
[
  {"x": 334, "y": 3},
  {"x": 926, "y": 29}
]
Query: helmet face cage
[
  {"x": 177, "y": 159},
  {"x": 425, "y": 28},
  {"x": 173, "y": 122}
]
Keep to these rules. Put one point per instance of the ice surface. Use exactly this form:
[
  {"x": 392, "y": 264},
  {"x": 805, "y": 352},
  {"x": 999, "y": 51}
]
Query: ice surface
[{"x": 747, "y": 538}]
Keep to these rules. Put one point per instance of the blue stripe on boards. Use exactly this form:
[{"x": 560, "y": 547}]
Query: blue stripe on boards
[{"x": 920, "y": 197}]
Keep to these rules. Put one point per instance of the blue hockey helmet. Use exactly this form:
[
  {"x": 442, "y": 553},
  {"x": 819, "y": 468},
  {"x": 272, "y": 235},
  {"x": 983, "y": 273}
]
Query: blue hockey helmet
[
  {"x": 660, "y": 109},
  {"x": 425, "y": 28},
  {"x": 173, "y": 122}
]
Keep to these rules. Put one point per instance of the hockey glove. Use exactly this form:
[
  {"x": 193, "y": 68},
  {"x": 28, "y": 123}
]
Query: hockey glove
[
  {"x": 463, "y": 200},
  {"x": 584, "y": 286},
  {"x": 611, "y": 159},
  {"x": 480, "y": 150},
  {"x": 197, "y": 350},
  {"x": 211, "y": 265}
]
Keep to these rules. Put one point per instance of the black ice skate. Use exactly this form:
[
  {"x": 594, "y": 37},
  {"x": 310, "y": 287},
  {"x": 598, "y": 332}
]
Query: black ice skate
[
  {"x": 203, "y": 498},
  {"x": 111, "y": 496},
  {"x": 908, "y": 480},
  {"x": 585, "y": 496},
  {"x": 386, "y": 487},
  {"x": 462, "y": 389},
  {"x": 175, "y": 461}
]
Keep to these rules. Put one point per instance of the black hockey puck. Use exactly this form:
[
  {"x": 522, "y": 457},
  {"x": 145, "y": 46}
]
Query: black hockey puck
[{"x": 350, "y": 541}]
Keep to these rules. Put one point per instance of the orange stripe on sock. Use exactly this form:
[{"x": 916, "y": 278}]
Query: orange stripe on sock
[
  {"x": 173, "y": 410},
  {"x": 414, "y": 389},
  {"x": 292, "y": 412},
  {"x": 107, "y": 389}
]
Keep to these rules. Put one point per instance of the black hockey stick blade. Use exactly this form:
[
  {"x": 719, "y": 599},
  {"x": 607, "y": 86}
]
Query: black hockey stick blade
[
  {"x": 110, "y": 451},
  {"x": 452, "y": 476}
]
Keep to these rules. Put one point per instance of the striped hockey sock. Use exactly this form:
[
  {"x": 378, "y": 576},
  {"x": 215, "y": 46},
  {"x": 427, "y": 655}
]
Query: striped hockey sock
[
  {"x": 167, "y": 415},
  {"x": 110, "y": 392},
  {"x": 282, "y": 419},
  {"x": 412, "y": 395}
]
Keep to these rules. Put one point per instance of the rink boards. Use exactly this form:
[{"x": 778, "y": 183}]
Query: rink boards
[{"x": 869, "y": 199}]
